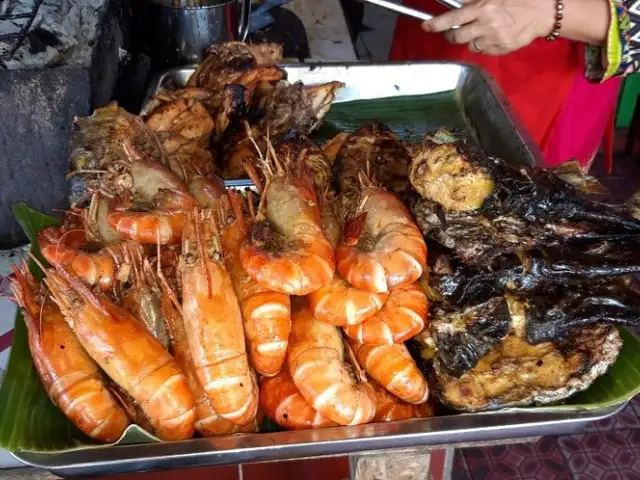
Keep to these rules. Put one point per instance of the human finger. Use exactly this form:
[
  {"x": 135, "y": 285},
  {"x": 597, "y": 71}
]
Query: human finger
[
  {"x": 464, "y": 34},
  {"x": 452, "y": 18}
]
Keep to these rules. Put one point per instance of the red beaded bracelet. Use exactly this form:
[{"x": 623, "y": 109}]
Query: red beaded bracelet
[{"x": 555, "y": 33}]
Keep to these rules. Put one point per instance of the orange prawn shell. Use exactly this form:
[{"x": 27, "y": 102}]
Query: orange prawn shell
[
  {"x": 149, "y": 228},
  {"x": 266, "y": 314},
  {"x": 401, "y": 318},
  {"x": 129, "y": 354},
  {"x": 283, "y": 403},
  {"x": 381, "y": 248},
  {"x": 300, "y": 260},
  {"x": 213, "y": 322},
  {"x": 393, "y": 367},
  {"x": 317, "y": 365},
  {"x": 390, "y": 408},
  {"x": 66, "y": 371},
  {"x": 340, "y": 304}
]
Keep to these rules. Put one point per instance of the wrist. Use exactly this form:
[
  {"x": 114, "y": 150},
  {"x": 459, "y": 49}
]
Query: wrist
[{"x": 547, "y": 13}]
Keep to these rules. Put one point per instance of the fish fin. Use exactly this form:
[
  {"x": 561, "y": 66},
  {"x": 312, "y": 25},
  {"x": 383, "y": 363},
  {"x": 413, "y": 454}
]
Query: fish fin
[{"x": 571, "y": 172}]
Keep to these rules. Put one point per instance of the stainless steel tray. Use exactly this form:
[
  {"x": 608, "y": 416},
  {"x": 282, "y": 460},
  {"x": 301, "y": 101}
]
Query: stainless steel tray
[{"x": 487, "y": 115}]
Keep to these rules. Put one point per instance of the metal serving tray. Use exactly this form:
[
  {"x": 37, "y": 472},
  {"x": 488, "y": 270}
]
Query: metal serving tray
[{"x": 487, "y": 115}]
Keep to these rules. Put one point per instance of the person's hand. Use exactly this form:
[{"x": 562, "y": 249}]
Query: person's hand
[{"x": 496, "y": 27}]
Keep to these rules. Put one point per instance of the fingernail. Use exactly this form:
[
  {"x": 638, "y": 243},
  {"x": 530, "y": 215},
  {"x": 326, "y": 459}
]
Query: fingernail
[{"x": 426, "y": 26}]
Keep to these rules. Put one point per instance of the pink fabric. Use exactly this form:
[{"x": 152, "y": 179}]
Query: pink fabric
[{"x": 578, "y": 129}]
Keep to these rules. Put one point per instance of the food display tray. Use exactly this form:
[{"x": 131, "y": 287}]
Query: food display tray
[{"x": 452, "y": 95}]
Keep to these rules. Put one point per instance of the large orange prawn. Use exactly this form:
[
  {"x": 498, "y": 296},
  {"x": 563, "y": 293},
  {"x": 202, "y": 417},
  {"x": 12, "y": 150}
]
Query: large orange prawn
[
  {"x": 213, "y": 322},
  {"x": 317, "y": 365},
  {"x": 63, "y": 248},
  {"x": 401, "y": 318},
  {"x": 283, "y": 403},
  {"x": 393, "y": 367},
  {"x": 340, "y": 304},
  {"x": 286, "y": 249},
  {"x": 390, "y": 408},
  {"x": 123, "y": 347},
  {"x": 208, "y": 422},
  {"x": 70, "y": 377},
  {"x": 266, "y": 314},
  {"x": 381, "y": 246}
]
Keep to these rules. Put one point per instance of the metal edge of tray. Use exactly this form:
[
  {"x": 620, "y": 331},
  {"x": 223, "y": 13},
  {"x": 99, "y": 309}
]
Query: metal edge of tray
[
  {"x": 289, "y": 445},
  {"x": 406, "y": 81}
]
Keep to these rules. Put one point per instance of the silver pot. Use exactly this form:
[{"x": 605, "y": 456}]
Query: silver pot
[{"x": 178, "y": 35}]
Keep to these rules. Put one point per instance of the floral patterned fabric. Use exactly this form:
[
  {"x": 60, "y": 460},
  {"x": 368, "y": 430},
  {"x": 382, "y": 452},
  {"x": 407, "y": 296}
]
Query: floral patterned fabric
[{"x": 622, "y": 53}]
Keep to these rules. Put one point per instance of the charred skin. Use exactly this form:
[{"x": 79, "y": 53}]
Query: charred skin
[
  {"x": 515, "y": 373},
  {"x": 458, "y": 284},
  {"x": 463, "y": 336},
  {"x": 481, "y": 207},
  {"x": 293, "y": 109}
]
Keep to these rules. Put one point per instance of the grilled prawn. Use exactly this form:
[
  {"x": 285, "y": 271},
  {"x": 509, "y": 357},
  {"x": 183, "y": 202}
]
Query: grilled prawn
[
  {"x": 70, "y": 377},
  {"x": 401, "y": 318},
  {"x": 213, "y": 322},
  {"x": 123, "y": 347},
  {"x": 317, "y": 365},
  {"x": 286, "y": 249},
  {"x": 266, "y": 314},
  {"x": 283, "y": 403},
  {"x": 381, "y": 248},
  {"x": 393, "y": 367},
  {"x": 340, "y": 304}
]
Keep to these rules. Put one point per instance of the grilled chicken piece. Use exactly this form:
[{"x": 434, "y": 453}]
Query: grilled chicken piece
[
  {"x": 185, "y": 117},
  {"x": 515, "y": 373},
  {"x": 110, "y": 137},
  {"x": 186, "y": 158},
  {"x": 373, "y": 148},
  {"x": 293, "y": 108},
  {"x": 238, "y": 63}
]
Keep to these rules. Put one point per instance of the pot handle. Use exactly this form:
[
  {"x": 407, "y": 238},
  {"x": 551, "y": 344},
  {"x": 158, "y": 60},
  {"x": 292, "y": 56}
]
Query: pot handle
[{"x": 244, "y": 13}]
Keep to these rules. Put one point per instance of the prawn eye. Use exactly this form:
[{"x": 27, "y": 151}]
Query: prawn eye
[
  {"x": 190, "y": 258},
  {"x": 230, "y": 219},
  {"x": 217, "y": 256}
]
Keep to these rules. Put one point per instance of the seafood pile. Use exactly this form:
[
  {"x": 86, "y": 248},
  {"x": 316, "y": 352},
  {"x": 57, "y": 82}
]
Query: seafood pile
[
  {"x": 175, "y": 304},
  {"x": 185, "y": 308}
]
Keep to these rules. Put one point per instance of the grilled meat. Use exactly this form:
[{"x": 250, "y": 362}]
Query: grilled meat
[
  {"x": 481, "y": 207},
  {"x": 238, "y": 63},
  {"x": 109, "y": 137},
  {"x": 166, "y": 111},
  {"x": 283, "y": 111},
  {"x": 516, "y": 373},
  {"x": 293, "y": 108},
  {"x": 373, "y": 148}
]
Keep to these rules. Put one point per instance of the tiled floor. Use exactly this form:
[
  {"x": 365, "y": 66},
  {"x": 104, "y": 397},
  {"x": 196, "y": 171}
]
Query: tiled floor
[{"x": 608, "y": 450}]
